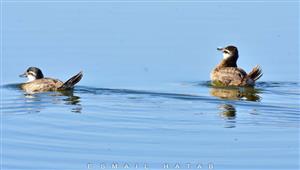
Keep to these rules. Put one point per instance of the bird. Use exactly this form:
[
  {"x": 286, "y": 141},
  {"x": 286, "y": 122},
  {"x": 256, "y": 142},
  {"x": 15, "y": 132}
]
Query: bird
[
  {"x": 38, "y": 83},
  {"x": 227, "y": 73}
]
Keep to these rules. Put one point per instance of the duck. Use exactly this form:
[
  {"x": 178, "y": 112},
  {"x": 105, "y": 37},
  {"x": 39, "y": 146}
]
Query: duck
[
  {"x": 227, "y": 73},
  {"x": 38, "y": 83}
]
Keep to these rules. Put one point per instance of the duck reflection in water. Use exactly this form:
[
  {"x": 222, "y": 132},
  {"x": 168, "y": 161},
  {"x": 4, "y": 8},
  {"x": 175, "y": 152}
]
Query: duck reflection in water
[
  {"x": 228, "y": 111},
  {"x": 40, "y": 101},
  {"x": 236, "y": 93},
  {"x": 229, "y": 114}
]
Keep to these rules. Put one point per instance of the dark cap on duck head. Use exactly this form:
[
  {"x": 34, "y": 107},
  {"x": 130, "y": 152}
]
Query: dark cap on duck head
[
  {"x": 229, "y": 48},
  {"x": 33, "y": 71}
]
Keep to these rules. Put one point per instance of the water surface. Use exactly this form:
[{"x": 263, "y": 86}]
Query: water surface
[{"x": 229, "y": 128}]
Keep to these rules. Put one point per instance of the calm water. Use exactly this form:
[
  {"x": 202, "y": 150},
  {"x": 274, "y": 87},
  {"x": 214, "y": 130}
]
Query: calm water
[
  {"x": 231, "y": 128},
  {"x": 145, "y": 99}
]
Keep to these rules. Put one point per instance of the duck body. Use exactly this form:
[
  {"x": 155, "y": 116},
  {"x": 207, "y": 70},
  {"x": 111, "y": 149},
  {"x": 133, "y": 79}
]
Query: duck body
[
  {"x": 38, "y": 83},
  {"x": 227, "y": 73},
  {"x": 42, "y": 85}
]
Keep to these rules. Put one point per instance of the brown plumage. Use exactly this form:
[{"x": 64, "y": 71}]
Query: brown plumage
[
  {"x": 37, "y": 82},
  {"x": 228, "y": 74}
]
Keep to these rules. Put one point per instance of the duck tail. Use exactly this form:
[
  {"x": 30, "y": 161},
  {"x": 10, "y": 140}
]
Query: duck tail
[
  {"x": 256, "y": 73},
  {"x": 69, "y": 84}
]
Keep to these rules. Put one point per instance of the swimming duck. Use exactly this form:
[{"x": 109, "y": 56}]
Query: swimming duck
[
  {"x": 38, "y": 83},
  {"x": 227, "y": 73}
]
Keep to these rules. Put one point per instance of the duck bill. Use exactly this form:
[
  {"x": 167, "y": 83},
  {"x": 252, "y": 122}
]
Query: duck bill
[
  {"x": 220, "y": 49},
  {"x": 23, "y": 75}
]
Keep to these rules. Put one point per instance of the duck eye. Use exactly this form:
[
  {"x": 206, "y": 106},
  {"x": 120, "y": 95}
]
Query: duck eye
[
  {"x": 226, "y": 52},
  {"x": 31, "y": 73}
]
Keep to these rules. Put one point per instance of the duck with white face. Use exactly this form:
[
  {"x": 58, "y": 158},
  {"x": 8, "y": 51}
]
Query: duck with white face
[
  {"x": 38, "y": 83},
  {"x": 33, "y": 73},
  {"x": 227, "y": 73}
]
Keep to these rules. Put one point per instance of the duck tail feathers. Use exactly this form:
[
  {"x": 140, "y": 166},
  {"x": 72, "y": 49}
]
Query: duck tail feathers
[
  {"x": 69, "y": 84},
  {"x": 256, "y": 73}
]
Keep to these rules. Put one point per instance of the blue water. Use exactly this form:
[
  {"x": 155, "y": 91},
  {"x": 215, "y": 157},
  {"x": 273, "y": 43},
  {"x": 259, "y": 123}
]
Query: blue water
[{"x": 145, "y": 101}]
